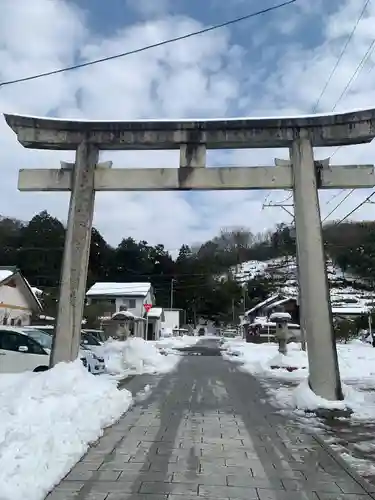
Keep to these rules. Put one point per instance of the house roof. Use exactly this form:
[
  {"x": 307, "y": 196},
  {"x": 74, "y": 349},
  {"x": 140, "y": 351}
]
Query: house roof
[
  {"x": 9, "y": 272},
  {"x": 350, "y": 310},
  {"x": 280, "y": 302},
  {"x": 269, "y": 300},
  {"x": 119, "y": 289},
  {"x": 155, "y": 312}
]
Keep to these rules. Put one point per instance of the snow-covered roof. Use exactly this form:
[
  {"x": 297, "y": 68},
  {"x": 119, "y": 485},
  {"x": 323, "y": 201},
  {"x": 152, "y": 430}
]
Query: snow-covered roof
[
  {"x": 5, "y": 274},
  {"x": 280, "y": 302},
  {"x": 346, "y": 289},
  {"x": 119, "y": 289},
  {"x": 155, "y": 312},
  {"x": 269, "y": 300},
  {"x": 350, "y": 310}
]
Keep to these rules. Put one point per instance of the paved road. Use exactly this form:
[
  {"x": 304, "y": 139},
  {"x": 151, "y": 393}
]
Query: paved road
[{"x": 207, "y": 431}]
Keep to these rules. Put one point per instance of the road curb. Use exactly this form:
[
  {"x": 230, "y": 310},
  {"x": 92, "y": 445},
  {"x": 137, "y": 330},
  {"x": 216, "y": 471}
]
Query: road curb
[{"x": 367, "y": 486}]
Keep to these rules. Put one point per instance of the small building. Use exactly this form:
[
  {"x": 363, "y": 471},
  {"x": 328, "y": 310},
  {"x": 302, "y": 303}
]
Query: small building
[
  {"x": 173, "y": 318},
  {"x": 155, "y": 318},
  {"x": 18, "y": 302}
]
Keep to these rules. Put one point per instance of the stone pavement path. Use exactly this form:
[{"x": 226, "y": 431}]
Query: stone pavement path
[{"x": 204, "y": 433}]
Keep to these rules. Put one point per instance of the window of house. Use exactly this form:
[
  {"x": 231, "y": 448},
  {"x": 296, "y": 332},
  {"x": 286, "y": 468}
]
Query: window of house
[{"x": 131, "y": 303}]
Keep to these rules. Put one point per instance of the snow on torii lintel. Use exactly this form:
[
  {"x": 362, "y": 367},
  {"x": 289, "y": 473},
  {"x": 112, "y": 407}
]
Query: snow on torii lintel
[
  {"x": 361, "y": 113},
  {"x": 353, "y": 127}
]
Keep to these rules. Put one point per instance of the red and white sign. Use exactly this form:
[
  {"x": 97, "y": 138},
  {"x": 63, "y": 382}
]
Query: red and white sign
[{"x": 147, "y": 307}]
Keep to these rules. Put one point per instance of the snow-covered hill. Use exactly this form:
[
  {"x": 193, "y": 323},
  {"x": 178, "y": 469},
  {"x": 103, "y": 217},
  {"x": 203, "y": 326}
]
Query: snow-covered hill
[{"x": 347, "y": 291}]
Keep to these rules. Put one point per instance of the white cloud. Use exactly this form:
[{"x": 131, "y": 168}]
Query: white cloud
[{"x": 209, "y": 75}]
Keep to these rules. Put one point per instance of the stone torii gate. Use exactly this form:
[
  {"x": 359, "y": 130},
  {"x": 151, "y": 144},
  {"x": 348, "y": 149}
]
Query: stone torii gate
[{"x": 193, "y": 137}]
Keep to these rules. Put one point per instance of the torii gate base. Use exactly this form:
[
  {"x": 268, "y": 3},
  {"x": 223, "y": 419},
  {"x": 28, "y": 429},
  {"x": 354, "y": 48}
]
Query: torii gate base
[{"x": 193, "y": 137}]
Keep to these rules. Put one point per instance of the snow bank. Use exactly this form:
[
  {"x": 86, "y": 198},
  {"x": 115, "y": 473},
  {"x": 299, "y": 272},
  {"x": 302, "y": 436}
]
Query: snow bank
[
  {"x": 177, "y": 342},
  {"x": 356, "y": 361},
  {"x": 357, "y": 370},
  {"x": 305, "y": 399},
  {"x": 135, "y": 356},
  {"x": 258, "y": 359},
  {"x": 47, "y": 421}
]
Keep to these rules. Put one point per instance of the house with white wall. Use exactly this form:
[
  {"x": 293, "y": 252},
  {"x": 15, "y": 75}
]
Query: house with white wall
[
  {"x": 129, "y": 297},
  {"x": 18, "y": 302}
]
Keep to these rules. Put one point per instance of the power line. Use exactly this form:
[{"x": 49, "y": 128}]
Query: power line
[
  {"x": 348, "y": 40},
  {"x": 148, "y": 47},
  {"x": 356, "y": 208},
  {"x": 356, "y": 72},
  {"x": 338, "y": 205},
  {"x": 335, "y": 196}
]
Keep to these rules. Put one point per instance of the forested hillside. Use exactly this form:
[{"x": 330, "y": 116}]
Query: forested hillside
[{"x": 203, "y": 285}]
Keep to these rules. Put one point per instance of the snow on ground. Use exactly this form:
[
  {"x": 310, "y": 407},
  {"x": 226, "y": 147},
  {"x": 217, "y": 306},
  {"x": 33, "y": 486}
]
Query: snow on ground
[
  {"x": 176, "y": 342},
  {"x": 136, "y": 356},
  {"x": 289, "y": 390},
  {"x": 357, "y": 369},
  {"x": 47, "y": 421},
  {"x": 283, "y": 271}
]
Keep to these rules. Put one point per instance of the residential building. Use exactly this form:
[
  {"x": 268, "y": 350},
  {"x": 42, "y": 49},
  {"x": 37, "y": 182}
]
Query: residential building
[
  {"x": 130, "y": 297},
  {"x": 18, "y": 302}
]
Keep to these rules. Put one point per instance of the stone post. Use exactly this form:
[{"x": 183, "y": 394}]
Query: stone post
[
  {"x": 316, "y": 315},
  {"x": 76, "y": 256}
]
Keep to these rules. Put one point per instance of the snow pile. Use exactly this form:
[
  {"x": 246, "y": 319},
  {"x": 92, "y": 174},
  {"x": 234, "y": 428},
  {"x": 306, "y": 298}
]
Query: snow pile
[
  {"x": 305, "y": 399},
  {"x": 261, "y": 359},
  {"x": 177, "y": 342},
  {"x": 357, "y": 364},
  {"x": 135, "y": 356},
  {"x": 47, "y": 421},
  {"x": 357, "y": 370}
]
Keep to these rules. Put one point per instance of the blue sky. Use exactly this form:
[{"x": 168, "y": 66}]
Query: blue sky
[{"x": 276, "y": 64}]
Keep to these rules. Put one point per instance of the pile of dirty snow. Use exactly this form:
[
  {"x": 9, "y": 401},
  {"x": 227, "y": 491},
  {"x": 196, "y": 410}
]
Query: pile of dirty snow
[
  {"x": 47, "y": 421},
  {"x": 135, "y": 356}
]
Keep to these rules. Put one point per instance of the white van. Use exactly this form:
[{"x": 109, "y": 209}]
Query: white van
[{"x": 28, "y": 349}]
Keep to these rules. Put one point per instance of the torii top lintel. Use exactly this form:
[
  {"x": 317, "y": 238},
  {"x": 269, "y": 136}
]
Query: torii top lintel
[{"x": 337, "y": 129}]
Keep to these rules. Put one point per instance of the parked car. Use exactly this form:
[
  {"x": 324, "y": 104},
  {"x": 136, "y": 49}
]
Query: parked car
[
  {"x": 87, "y": 338},
  {"x": 98, "y": 334},
  {"x": 26, "y": 348}
]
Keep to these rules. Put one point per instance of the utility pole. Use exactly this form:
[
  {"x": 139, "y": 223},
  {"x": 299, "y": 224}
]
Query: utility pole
[
  {"x": 172, "y": 281},
  {"x": 286, "y": 207}
]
